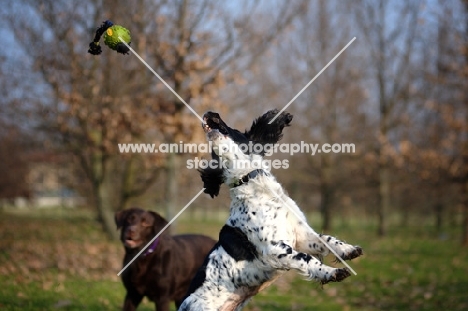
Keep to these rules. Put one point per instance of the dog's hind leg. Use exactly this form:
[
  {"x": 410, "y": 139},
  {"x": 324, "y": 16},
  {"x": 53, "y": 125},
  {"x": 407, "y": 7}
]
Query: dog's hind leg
[
  {"x": 313, "y": 243},
  {"x": 309, "y": 241},
  {"x": 283, "y": 256}
]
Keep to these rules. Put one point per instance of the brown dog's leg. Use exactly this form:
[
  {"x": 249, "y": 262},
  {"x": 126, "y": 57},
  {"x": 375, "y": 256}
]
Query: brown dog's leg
[
  {"x": 162, "y": 305},
  {"x": 132, "y": 300}
]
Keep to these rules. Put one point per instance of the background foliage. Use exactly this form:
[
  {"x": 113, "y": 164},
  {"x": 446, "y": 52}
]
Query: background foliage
[{"x": 399, "y": 93}]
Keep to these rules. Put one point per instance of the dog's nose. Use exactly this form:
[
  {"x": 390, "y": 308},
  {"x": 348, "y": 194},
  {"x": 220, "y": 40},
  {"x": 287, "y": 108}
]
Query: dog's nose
[{"x": 131, "y": 231}]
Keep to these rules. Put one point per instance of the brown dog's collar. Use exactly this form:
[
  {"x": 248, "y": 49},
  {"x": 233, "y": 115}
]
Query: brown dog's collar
[{"x": 151, "y": 248}]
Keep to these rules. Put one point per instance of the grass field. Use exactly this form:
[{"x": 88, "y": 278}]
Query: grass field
[{"x": 60, "y": 260}]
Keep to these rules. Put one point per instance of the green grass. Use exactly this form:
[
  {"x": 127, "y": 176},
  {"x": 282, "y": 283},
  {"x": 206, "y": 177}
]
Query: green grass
[{"x": 60, "y": 260}]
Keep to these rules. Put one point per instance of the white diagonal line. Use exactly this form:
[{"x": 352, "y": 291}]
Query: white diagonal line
[
  {"x": 162, "y": 230},
  {"x": 318, "y": 236},
  {"x": 313, "y": 79},
  {"x": 159, "y": 77}
]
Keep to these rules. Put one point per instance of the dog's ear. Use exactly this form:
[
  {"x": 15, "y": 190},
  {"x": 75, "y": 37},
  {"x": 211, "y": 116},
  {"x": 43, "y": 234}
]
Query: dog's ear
[
  {"x": 119, "y": 218},
  {"x": 264, "y": 133},
  {"x": 153, "y": 219},
  {"x": 212, "y": 179}
]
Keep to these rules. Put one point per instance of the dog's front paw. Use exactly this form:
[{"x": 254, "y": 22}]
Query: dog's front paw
[{"x": 339, "y": 275}]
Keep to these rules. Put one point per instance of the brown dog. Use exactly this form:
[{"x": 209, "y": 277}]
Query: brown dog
[{"x": 163, "y": 272}]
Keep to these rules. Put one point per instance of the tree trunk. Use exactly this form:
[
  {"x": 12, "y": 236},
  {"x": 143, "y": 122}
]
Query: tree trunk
[
  {"x": 329, "y": 126},
  {"x": 464, "y": 239},
  {"x": 325, "y": 193},
  {"x": 384, "y": 174},
  {"x": 439, "y": 209},
  {"x": 105, "y": 212},
  {"x": 384, "y": 200},
  {"x": 438, "y": 217}
]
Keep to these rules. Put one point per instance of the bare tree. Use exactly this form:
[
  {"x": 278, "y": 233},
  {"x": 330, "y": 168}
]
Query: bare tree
[
  {"x": 391, "y": 39},
  {"x": 13, "y": 163},
  {"x": 464, "y": 144},
  {"x": 94, "y": 103},
  {"x": 330, "y": 103},
  {"x": 198, "y": 62},
  {"x": 448, "y": 102}
]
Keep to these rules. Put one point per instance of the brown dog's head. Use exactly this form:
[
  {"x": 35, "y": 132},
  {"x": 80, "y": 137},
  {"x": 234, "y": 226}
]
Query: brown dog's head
[{"x": 138, "y": 226}]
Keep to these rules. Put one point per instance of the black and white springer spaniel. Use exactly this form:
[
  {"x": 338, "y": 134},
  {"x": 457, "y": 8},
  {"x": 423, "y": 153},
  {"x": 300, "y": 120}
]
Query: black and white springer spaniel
[{"x": 266, "y": 233}]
